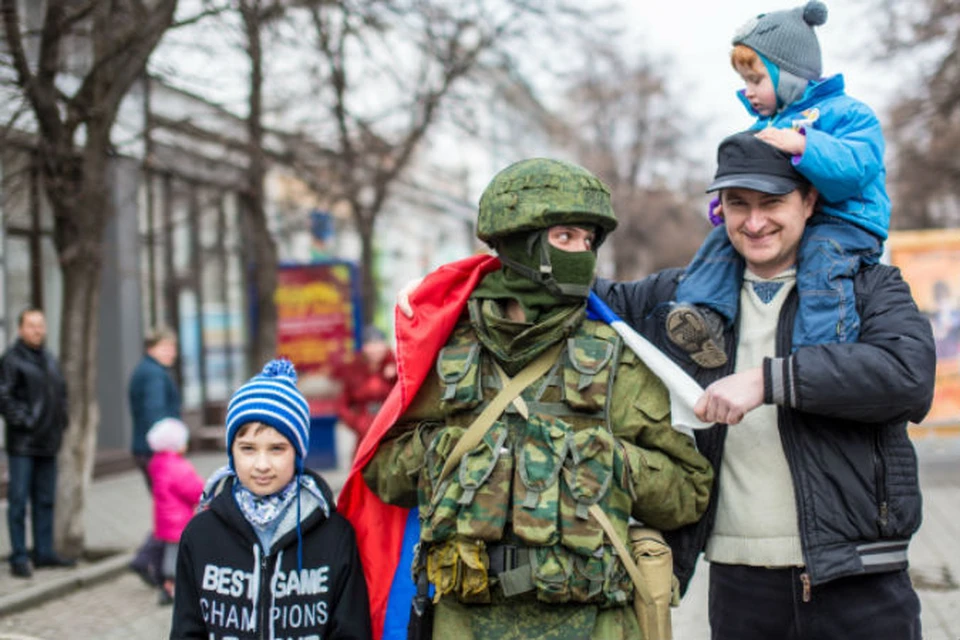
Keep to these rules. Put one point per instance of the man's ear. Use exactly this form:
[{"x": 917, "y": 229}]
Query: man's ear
[{"x": 810, "y": 202}]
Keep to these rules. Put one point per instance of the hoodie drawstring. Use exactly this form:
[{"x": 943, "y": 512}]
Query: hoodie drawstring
[
  {"x": 255, "y": 587},
  {"x": 273, "y": 593},
  {"x": 299, "y": 532}
]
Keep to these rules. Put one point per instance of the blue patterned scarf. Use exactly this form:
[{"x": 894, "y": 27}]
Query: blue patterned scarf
[{"x": 262, "y": 511}]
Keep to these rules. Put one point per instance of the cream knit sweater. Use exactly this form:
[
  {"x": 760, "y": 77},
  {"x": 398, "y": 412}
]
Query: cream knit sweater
[{"x": 756, "y": 520}]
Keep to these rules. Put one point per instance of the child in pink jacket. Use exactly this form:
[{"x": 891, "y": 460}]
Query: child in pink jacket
[{"x": 176, "y": 491}]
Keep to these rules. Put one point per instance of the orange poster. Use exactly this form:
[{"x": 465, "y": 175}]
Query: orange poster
[
  {"x": 930, "y": 262},
  {"x": 317, "y": 319}
]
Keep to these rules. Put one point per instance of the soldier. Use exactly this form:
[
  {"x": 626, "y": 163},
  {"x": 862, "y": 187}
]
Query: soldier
[{"x": 507, "y": 536}]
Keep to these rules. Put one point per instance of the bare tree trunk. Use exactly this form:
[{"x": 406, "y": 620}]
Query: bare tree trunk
[
  {"x": 78, "y": 348},
  {"x": 264, "y": 343},
  {"x": 368, "y": 277},
  {"x": 80, "y": 195}
]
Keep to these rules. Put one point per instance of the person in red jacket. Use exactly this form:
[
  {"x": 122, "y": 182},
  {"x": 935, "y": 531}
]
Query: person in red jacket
[
  {"x": 176, "y": 487},
  {"x": 366, "y": 382}
]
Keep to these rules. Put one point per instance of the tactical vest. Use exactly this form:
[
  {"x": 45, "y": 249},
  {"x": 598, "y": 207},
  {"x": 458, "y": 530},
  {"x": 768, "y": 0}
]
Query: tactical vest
[{"x": 531, "y": 480}]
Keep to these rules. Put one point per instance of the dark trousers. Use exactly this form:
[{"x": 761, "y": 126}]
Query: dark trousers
[
  {"x": 143, "y": 460},
  {"x": 754, "y": 603},
  {"x": 33, "y": 479},
  {"x": 149, "y": 556}
]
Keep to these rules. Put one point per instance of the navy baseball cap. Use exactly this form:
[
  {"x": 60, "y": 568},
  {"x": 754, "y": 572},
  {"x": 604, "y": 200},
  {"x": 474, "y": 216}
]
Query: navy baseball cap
[{"x": 747, "y": 162}]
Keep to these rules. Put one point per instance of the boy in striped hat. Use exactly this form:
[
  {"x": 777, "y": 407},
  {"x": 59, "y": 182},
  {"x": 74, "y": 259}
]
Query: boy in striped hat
[{"x": 267, "y": 554}]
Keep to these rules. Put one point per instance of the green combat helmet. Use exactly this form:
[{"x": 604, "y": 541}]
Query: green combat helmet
[{"x": 532, "y": 196}]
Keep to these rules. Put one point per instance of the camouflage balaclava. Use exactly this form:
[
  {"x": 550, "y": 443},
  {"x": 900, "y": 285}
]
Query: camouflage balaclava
[{"x": 517, "y": 209}]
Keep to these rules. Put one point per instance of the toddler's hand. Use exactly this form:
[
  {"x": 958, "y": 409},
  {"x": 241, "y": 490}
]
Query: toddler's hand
[
  {"x": 403, "y": 297},
  {"x": 787, "y": 140},
  {"x": 715, "y": 212}
]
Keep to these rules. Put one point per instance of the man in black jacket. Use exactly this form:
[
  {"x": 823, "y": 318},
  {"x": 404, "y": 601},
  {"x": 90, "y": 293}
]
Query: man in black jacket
[
  {"x": 817, "y": 495},
  {"x": 33, "y": 401}
]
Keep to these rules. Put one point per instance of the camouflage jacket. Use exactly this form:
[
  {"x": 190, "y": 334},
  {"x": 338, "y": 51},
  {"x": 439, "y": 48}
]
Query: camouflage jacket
[{"x": 597, "y": 430}]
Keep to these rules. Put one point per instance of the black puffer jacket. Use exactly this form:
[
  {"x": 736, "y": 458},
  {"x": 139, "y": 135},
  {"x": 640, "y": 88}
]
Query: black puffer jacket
[
  {"x": 843, "y": 411},
  {"x": 33, "y": 401}
]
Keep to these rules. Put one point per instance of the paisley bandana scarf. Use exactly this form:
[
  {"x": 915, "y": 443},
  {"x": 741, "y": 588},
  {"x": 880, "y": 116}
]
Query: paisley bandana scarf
[{"x": 261, "y": 511}]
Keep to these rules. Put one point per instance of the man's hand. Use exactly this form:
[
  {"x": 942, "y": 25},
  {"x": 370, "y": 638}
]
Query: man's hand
[
  {"x": 729, "y": 399},
  {"x": 787, "y": 140},
  {"x": 403, "y": 297},
  {"x": 390, "y": 371}
]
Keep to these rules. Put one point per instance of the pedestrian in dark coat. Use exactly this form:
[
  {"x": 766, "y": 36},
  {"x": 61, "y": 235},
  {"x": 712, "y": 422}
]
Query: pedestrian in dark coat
[
  {"x": 153, "y": 397},
  {"x": 33, "y": 401}
]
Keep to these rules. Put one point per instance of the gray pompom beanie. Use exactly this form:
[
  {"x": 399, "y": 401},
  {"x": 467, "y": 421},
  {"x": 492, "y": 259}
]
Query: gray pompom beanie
[{"x": 786, "y": 38}]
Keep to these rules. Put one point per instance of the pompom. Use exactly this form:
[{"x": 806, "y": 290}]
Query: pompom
[
  {"x": 815, "y": 13},
  {"x": 280, "y": 368}
]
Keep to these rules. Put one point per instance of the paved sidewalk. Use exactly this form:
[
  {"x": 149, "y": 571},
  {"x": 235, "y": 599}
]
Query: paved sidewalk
[{"x": 119, "y": 606}]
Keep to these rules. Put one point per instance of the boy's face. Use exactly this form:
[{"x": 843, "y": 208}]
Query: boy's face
[
  {"x": 264, "y": 460},
  {"x": 759, "y": 89}
]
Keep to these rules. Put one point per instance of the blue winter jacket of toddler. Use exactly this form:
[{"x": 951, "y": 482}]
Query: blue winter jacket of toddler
[{"x": 844, "y": 152}]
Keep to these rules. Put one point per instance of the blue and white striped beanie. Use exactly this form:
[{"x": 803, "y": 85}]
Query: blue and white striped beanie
[{"x": 272, "y": 398}]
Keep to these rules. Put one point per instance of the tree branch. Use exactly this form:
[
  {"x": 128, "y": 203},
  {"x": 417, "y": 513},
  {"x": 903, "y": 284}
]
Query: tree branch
[{"x": 38, "y": 89}]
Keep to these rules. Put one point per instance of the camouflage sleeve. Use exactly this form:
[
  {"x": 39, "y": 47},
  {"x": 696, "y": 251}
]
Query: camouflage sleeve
[
  {"x": 670, "y": 479},
  {"x": 394, "y": 470}
]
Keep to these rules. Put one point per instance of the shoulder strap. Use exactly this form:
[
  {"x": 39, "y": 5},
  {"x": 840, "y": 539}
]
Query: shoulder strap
[
  {"x": 511, "y": 390},
  {"x": 642, "y": 591}
]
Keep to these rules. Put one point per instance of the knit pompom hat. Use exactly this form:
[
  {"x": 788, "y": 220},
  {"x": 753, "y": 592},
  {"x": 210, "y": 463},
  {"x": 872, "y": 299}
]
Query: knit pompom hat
[
  {"x": 168, "y": 434},
  {"x": 786, "y": 38},
  {"x": 272, "y": 398}
]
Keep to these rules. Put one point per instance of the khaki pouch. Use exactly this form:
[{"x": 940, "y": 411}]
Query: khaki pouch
[
  {"x": 654, "y": 559},
  {"x": 459, "y": 568}
]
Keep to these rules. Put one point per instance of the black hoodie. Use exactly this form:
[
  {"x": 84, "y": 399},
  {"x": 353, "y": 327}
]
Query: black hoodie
[{"x": 226, "y": 588}]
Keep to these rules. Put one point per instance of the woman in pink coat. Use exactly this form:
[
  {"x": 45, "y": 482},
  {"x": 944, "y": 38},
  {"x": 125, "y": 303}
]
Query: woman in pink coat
[{"x": 176, "y": 491}]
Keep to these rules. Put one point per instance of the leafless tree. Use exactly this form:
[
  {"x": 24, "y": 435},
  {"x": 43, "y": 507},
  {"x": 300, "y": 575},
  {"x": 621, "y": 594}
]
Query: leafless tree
[
  {"x": 244, "y": 27},
  {"x": 256, "y": 15},
  {"x": 924, "y": 124},
  {"x": 627, "y": 128},
  {"x": 75, "y": 113},
  {"x": 385, "y": 71}
]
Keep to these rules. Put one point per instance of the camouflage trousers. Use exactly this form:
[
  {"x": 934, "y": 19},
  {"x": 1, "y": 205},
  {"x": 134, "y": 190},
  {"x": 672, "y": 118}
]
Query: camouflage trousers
[{"x": 526, "y": 619}]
